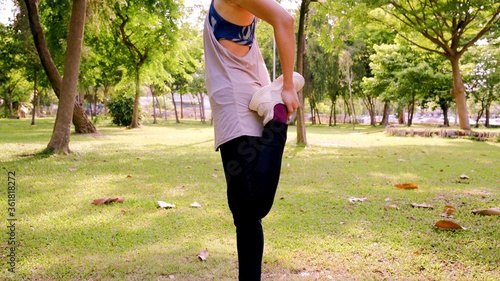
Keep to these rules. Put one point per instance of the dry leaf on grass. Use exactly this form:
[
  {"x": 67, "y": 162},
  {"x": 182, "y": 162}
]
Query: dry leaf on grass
[
  {"x": 100, "y": 201},
  {"x": 107, "y": 200},
  {"x": 203, "y": 255},
  {"x": 487, "y": 212},
  {"x": 391, "y": 207},
  {"x": 448, "y": 211},
  {"x": 422, "y": 205},
  {"x": 464, "y": 176},
  {"x": 116, "y": 199},
  {"x": 356, "y": 199},
  {"x": 73, "y": 169},
  {"x": 406, "y": 185},
  {"x": 448, "y": 225},
  {"x": 165, "y": 205}
]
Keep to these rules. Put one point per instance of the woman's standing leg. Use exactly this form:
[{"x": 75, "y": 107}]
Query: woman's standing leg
[{"x": 252, "y": 168}]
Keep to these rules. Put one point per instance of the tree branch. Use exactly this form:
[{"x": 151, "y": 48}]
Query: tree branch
[{"x": 41, "y": 47}]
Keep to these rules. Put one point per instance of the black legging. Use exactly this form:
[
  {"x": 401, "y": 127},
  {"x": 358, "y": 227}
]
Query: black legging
[{"x": 252, "y": 168}]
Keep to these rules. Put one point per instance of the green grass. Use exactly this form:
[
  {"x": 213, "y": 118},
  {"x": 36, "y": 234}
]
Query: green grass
[{"x": 312, "y": 233}]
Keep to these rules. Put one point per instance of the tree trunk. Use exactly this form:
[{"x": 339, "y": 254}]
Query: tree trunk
[
  {"x": 151, "y": 89},
  {"x": 487, "y": 117},
  {"x": 202, "y": 109},
  {"x": 38, "y": 111},
  {"x": 135, "y": 113},
  {"x": 401, "y": 119},
  {"x": 301, "y": 55},
  {"x": 385, "y": 115},
  {"x": 159, "y": 106},
  {"x": 349, "y": 84},
  {"x": 458, "y": 93},
  {"x": 411, "y": 109},
  {"x": 335, "y": 113},
  {"x": 175, "y": 109},
  {"x": 330, "y": 119},
  {"x": 480, "y": 113},
  {"x": 444, "y": 107},
  {"x": 370, "y": 106},
  {"x": 35, "y": 94},
  {"x": 82, "y": 123},
  {"x": 313, "y": 116},
  {"x": 62, "y": 128}
]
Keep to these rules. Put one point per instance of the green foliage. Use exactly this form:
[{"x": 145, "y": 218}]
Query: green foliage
[{"x": 121, "y": 108}]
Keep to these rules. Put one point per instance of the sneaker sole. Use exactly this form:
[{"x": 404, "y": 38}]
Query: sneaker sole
[{"x": 260, "y": 96}]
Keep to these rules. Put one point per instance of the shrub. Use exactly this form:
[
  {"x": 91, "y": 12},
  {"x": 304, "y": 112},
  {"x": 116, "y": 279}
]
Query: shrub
[{"x": 121, "y": 109}]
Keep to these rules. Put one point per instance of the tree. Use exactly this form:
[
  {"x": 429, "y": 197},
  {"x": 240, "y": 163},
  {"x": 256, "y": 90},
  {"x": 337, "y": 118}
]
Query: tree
[
  {"x": 59, "y": 142},
  {"x": 448, "y": 28},
  {"x": 82, "y": 124},
  {"x": 301, "y": 56},
  {"x": 10, "y": 72},
  {"x": 148, "y": 30},
  {"x": 484, "y": 78}
]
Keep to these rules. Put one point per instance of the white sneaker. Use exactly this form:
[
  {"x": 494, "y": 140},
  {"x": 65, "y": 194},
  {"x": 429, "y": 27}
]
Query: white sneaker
[{"x": 264, "y": 100}]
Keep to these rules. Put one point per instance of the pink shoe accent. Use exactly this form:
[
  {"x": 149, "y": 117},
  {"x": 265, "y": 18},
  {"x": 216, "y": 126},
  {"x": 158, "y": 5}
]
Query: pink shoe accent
[{"x": 280, "y": 113}]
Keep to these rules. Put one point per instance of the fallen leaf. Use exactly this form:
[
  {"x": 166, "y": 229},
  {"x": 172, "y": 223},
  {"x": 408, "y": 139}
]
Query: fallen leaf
[
  {"x": 389, "y": 207},
  {"x": 165, "y": 205},
  {"x": 188, "y": 167},
  {"x": 116, "y": 199},
  {"x": 195, "y": 205},
  {"x": 406, "y": 185},
  {"x": 129, "y": 176},
  {"x": 464, "y": 176},
  {"x": 123, "y": 212},
  {"x": 448, "y": 225},
  {"x": 448, "y": 211},
  {"x": 487, "y": 212},
  {"x": 100, "y": 201},
  {"x": 73, "y": 169},
  {"x": 355, "y": 199},
  {"x": 422, "y": 205},
  {"x": 203, "y": 255},
  {"x": 107, "y": 200}
]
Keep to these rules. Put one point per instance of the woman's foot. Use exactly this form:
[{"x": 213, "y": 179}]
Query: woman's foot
[{"x": 267, "y": 97}]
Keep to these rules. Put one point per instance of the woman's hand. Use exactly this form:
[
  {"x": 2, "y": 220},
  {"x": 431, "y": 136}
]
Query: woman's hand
[{"x": 290, "y": 99}]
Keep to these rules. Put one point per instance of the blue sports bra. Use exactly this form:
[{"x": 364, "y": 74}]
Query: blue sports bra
[{"x": 242, "y": 35}]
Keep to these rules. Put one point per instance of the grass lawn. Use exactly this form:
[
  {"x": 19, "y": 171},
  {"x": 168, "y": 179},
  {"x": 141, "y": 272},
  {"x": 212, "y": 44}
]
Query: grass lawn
[{"x": 313, "y": 232}]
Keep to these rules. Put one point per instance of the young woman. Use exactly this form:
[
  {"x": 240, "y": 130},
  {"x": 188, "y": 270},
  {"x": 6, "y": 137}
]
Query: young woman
[{"x": 250, "y": 113}]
